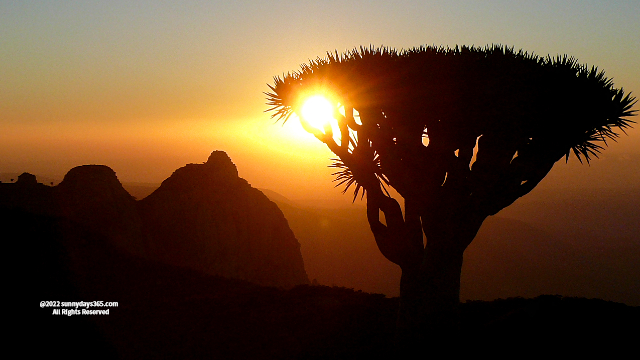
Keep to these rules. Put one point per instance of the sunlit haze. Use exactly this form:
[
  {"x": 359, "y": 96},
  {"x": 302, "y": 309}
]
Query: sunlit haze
[
  {"x": 146, "y": 87},
  {"x": 318, "y": 111}
]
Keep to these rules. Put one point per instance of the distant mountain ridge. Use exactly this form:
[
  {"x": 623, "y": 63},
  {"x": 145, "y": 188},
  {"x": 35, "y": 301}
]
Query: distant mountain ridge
[{"x": 204, "y": 217}]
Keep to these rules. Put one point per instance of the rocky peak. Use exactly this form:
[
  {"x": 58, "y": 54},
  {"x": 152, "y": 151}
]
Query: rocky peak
[
  {"x": 219, "y": 162},
  {"x": 27, "y": 194},
  {"x": 91, "y": 178},
  {"x": 218, "y": 171},
  {"x": 92, "y": 196},
  {"x": 27, "y": 179},
  {"x": 206, "y": 217},
  {"x": 92, "y": 192}
]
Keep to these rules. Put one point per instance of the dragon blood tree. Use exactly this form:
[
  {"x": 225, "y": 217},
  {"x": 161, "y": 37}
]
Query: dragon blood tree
[{"x": 459, "y": 134}]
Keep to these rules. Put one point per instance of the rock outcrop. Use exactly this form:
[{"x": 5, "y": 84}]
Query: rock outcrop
[
  {"x": 203, "y": 217},
  {"x": 206, "y": 217},
  {"x": 92, "y": 196}
]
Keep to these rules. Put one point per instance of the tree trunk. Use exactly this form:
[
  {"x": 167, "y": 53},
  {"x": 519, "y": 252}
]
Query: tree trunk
[
  {"x": 430, "y": 290},
  {"x": 430, "y": 296},
  {"x": 430, "y": 282}
]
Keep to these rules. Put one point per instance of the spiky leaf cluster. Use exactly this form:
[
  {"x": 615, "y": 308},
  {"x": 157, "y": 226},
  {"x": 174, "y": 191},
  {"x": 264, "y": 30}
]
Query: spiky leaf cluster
[{"x": 519, "y": 112}]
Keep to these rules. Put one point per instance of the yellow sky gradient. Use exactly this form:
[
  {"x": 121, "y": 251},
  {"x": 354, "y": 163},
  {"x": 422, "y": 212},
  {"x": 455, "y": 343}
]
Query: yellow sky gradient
[{"x": 147, "y": 87}]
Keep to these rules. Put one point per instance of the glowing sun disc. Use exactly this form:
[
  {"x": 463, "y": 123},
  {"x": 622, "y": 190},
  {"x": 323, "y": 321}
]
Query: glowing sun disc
[{"x": 318, "y": 111}]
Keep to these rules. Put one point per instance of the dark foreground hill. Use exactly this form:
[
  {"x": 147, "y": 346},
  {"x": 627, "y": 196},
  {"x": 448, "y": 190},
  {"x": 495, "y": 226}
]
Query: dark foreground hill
[{"x": 166, "y": 311}]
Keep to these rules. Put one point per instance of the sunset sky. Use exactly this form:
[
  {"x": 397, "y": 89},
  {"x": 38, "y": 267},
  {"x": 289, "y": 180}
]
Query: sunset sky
[{"x": 146, "y": 87}]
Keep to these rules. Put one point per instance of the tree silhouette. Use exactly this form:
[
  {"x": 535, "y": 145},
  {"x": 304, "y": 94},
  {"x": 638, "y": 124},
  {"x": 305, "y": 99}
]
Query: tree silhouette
[{"x": 460, "y": 134}]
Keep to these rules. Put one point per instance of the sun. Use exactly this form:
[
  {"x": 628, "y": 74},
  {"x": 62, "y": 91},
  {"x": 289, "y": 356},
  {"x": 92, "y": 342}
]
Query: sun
[{"x": 317, "y": 111}]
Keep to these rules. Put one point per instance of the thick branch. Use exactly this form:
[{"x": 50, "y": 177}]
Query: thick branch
[
  {"x": 516, "y": 188},
  {"x": 413, "y": 223},
  {"x": 394, "y": 239},
  {"x": 522, "y": 175}
]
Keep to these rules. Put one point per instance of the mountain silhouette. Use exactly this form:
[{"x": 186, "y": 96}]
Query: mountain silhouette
[
  {"x": 204, "y": 217},
  {"x": 92, "y": 197}
]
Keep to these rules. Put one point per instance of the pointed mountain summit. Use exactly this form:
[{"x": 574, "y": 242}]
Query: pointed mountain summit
[
  {"x": 219, "y": 171},
  {"x": 204, "y": 216}
]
